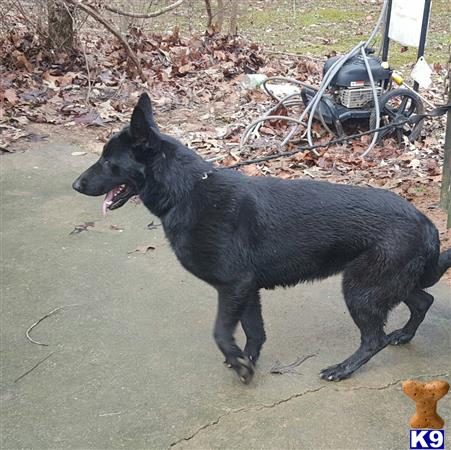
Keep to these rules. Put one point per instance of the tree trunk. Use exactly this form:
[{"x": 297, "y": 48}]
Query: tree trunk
[
  {"x": 220, "y": 16},
  {"x": 209, "y": 13},
  {"x": 446, "y": 181},
  {"x": 233, "y": 29},
  {"x": 61, "y": 27}
]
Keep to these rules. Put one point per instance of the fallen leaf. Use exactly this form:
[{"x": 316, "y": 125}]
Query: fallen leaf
[
  {"x": 430, "y": 140},
  {"x": 185, "y": 68},
  {"x": 66, "y": 79},
  {"x": 415, "y": 163},
  {"x": 22, "y": 120},
  {"x": 11, "y": 96},
  {"x": 22, "y": 60},
  {"x": 251, "y": 171},
  {"x": 50, "y": 80},
  {"x": 90, "y": 118}
]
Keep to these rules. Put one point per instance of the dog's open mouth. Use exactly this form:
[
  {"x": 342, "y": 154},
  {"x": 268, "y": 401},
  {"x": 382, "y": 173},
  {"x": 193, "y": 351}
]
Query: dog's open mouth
[{"x": 117, "y": 197}]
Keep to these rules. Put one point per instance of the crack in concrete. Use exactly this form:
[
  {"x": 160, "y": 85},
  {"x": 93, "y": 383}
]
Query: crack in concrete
[
  {"x": 203, "y": 427},
  {"x": 244, "y": 409},
  {"x": 392, "y": 383},
  {"x": 292, "y": 397}
]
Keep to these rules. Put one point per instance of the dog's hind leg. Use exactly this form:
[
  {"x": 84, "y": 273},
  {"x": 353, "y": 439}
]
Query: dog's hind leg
[
  {"x": 232, "y": 302},
  {"x": 252, "y": 323},
  {"x": 373, "y": 340},
  {"x": 418, "y": 302},
  {"x": 369, "y": 306}
]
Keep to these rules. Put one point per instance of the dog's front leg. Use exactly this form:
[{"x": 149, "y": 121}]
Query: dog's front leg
[
  {"x": 232, "y": 302},
  {"x": 252, "y": 323}
]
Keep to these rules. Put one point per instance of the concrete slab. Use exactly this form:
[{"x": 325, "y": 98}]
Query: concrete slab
[{"x": 134, "y": 364}]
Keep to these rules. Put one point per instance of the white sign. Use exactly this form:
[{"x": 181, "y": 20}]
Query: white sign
[{"x": 405, "y": 22}]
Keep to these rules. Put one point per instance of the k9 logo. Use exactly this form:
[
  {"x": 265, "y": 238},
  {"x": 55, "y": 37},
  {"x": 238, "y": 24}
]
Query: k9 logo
[{"x": 420, "y": 439}]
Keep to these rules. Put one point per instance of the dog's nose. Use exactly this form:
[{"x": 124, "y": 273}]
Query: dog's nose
[{"x": 79, "y": 185}]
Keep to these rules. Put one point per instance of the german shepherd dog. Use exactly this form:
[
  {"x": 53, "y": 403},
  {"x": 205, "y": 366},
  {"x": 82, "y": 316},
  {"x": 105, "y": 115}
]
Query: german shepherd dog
[{"x": 241, "y": 234}]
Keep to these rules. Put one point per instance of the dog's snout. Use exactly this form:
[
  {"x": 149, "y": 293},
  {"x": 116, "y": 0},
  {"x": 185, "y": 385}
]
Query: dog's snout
[{"x": 79, "y": 184}]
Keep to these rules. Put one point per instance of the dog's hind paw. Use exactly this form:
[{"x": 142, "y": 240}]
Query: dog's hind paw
[
  {"x": 399, "y": 337},
  {"x": 337, "y": 372},
  {"x": 244, "y": 368}
]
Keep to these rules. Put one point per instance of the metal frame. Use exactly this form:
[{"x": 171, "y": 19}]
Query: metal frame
[{"x": 423, "y": 36}]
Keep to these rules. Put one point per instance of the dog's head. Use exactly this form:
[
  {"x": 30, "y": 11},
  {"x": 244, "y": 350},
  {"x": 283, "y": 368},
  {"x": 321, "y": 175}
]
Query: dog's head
[{"x": 120, "y": 171}]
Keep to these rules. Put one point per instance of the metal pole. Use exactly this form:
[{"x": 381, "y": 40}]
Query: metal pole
[
  {"x": 386, "y": 43},
  {"x": 424, "y": 32}
]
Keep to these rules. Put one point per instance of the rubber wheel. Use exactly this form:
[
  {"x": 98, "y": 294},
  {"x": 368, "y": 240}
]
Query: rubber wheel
[{"x": 397, "y": 105}]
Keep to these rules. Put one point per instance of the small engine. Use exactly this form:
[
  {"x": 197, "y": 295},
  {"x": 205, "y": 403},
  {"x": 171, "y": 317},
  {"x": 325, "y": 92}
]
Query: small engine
[
  {"x": 349, "y": 95},
  {"x": 351, "y": 86}
]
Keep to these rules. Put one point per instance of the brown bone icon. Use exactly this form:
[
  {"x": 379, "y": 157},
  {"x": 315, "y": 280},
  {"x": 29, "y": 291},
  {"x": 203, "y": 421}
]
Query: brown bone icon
[{"x": 426, "y": 396}]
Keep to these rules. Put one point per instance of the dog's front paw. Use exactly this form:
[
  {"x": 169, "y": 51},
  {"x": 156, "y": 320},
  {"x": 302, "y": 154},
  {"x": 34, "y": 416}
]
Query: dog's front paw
[
  {"x": 251, "y": 353},
  {"x": 244, "y": 368},
  {"x": 336, "y": 373},
  {"x": 227, "y": 363}
]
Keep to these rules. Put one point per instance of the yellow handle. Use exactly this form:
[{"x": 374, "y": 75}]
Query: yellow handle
[{"x": 397, "y": 78}]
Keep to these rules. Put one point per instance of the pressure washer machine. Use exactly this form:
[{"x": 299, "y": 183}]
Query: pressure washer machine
[
  {"x": 352, "y": 91},
  {"x": 360, "y": 85},
  {"x": 349, "y": 97}
]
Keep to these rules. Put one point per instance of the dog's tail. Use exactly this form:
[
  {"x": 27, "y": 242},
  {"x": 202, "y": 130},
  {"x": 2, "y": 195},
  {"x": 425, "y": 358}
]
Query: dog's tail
[{"x": 433, "y": 272}]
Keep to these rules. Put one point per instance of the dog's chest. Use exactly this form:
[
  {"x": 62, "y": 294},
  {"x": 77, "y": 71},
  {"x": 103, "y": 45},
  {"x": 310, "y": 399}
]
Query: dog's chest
[{"x": 197, "y": 251}]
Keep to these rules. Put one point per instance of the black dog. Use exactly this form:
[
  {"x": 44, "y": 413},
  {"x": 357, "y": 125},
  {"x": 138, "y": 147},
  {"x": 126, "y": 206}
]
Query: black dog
[{"x": 241, "y": 234}]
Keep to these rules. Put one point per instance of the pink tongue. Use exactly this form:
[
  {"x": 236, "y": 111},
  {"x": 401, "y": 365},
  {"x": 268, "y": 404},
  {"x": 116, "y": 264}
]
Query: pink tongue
[{"x": 107, "y": 201}]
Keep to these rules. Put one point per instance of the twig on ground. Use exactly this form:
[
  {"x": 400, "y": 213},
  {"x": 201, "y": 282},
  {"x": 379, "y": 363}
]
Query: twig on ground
[
  {"x": 144, "y": 16},
  {"x": 290, "y": 368},
  {"x": 110, "y": 414},
  {"x": 88, "y": 72},
  {"x": 27, "y": 334},
  {"x": 34, "y": 367},
  {"x": 95, "y": 15}
]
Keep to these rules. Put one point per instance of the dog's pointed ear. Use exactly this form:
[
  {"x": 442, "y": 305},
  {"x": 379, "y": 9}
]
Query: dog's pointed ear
[
  {"x": 142, "y": 120},
  {"x": 146, "y": 105}
]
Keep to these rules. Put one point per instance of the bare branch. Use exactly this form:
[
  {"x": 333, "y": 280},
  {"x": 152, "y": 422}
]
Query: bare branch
[
  {"x": 144, "y": 16},
  {"x": 95, "y": 15}
]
